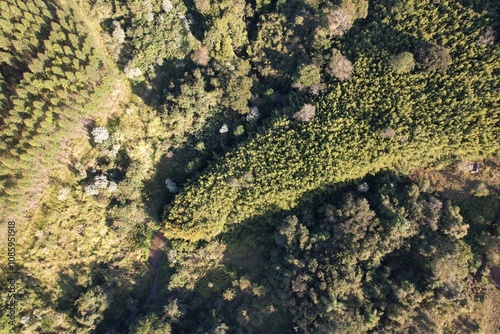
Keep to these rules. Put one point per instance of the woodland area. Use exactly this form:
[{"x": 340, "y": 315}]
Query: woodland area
[{"x": 269, "y": 166}]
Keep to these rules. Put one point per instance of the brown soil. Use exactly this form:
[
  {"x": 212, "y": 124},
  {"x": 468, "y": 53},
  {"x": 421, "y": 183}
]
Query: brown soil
[
  {"x": 156, "y": 251},
  {"x": 456, "y": 184},
  {"x": 155, "y": 254}
]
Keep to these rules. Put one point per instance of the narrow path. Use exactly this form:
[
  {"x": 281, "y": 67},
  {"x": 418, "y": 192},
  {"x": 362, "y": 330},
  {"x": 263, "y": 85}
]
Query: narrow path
[{"x": 155, "y": 255}]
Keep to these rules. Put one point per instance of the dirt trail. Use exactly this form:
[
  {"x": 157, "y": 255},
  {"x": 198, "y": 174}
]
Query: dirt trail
[{"x": 155, "y": 255}]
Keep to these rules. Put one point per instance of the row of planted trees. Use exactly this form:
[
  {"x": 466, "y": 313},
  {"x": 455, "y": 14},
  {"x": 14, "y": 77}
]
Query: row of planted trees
[{"x": 53, "y": 78}]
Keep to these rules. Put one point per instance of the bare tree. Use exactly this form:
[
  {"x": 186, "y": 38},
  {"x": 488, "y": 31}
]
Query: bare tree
[
  {"x": 305, "y": 114},
  {"x": 339, "y": 22},
  {"x": 488, "y": 37},
  {"x": 201, "y": 56},
  {"x": 202, "y": 5},
  {"x": 340, "y": 67}
]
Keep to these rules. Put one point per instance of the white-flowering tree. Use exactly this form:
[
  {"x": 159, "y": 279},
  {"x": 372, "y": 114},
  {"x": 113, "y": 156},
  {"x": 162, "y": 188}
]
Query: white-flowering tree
[
  {"x": 171, "y": 186},
  {"x": 100, "y": 135},
  {"x": 63, "y": 194},
  {"x": 363, "y": 187},
  {"x": 101, "y": 182},
  {"x": 118, "y": 32},
  {"x": 91, "y": 190},
  {"x": 167, "y": 6},
  {"x": 112, "y": 187},
  {"x": 224, "y": 128},
  {"x": 132, "y": 73},
  {"x": 172, "y": 256},
  {"x": 253, "y": 115},
  {"x": 150, "y": 17}
]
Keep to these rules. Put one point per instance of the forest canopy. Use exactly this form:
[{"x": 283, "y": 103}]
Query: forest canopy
[{"x": 291, "y": 166}]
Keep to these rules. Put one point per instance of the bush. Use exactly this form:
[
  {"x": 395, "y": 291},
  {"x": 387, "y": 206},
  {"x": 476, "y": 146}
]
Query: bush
[
  {"x": 403, "y": 62},
  {"x": 480, "y": 190},
  {"x": 431, "y": 57},
  {"x": 239, "y": 130}
]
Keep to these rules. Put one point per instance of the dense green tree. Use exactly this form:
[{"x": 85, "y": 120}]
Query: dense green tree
[
  {"x": 431, "y": 57},
  {"x": 402, "y": 62}
]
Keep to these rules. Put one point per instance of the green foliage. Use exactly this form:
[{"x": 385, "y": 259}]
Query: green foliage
[
  {"x": 309, "y": 75},
  {"x": 151, "y": 324},
  {"x": 480, "y": 190},
  {"x": 48, "y": 92},
  {"x": 431, "y": 57},
  {"x": 402, "y": 62},
  {"x": 426, "y": 116},
  {"x": 90, "y": 307},
  {"x": 155, "y": 36},
  {"x": 353, "y": 266},
  {"x": 227, "y": 29}
]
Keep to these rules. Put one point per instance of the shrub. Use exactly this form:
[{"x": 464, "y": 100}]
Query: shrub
[
  {"x": 309, "y": 75},
  {"x": 431, "y": 57},
  {"x": 239, "y": 130},
  {"x": 403, "y": 62}
]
